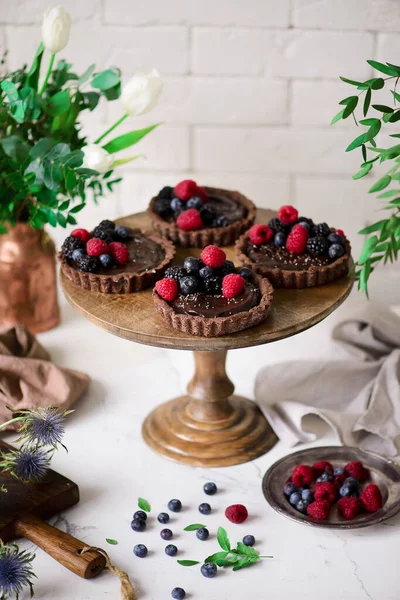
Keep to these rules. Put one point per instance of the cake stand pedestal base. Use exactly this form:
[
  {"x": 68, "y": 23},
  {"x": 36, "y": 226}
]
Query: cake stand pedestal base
[{"x": 209, "y": 427}]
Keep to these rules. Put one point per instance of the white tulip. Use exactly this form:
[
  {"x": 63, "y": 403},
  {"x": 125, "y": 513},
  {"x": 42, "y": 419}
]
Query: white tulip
[
  {"x": 55, "y": 28},
  {"x": 142, "y": 92},
  {"x": 96, "y": 158}
]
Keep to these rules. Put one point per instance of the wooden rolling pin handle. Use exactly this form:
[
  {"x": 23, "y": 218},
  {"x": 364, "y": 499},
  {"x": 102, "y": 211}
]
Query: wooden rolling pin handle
[{"x": 64, "y": 548}]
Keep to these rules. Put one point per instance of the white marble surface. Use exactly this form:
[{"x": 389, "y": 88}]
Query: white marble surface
[{"x": 113, "y": 466}]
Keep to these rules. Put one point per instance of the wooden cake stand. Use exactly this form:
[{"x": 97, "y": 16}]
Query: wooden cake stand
[{"x": 209, "y": 426}]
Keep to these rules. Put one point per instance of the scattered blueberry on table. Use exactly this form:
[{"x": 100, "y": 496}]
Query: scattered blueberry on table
[
  {"x": 138, "y": 525},
  {"x": 140, "y": 550},
  {"x": 204, "y": 508},
  {"x": 178, "y": 593},
  {"x": 209, "y": 570},
  {"x": 210, "y": 488},
  {"x": 171, "y": 550},
  {"x": 249, "y": 540},
  {"x": 163, "y": 518},
  {"x": 174, "y": 505},
  {"x": 202, "y": 534},
  {"x": 140, "y": 514},
  {"x": 166, "y": 534}
]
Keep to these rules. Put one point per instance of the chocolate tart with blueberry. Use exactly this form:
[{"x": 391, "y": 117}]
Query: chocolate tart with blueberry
[
  {"x": 194, "y": 217},
  {"x": 114, "y": 259},
  {"x": 294, "y": 252},
  {"x": 210, "y": 297}
]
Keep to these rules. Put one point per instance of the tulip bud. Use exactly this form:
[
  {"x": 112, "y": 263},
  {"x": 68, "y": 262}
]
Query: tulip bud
[
  {"x": 142, "y": 92},
  {"x": 96, "y": 158},
  {"x": 55, "y": 28}
]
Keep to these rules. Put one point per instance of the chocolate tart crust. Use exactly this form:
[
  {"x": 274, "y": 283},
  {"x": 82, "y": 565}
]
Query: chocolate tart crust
[
  {"x": 122, "y": 283},
  {"x": 218, "y": 326},
  {"x": 218, "y": 236},
  {"x": 286, "y": 278}
]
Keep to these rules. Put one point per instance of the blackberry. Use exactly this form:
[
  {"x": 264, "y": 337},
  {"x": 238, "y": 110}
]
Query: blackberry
[
  {"x": 277, "y": 226},
  {"x": 318, "y": 245},
  {"x": 103, "y": 234},
  {"x": 322, "y": 229},
  {"x": 70, "y": 244},
  {"x": 162, "y": 206},
  {"x": 213, "y": 285},
  {"x": 227, "y": 268},
  {"x": 106, "y": 224},
  {"x": 175, "y": 273},
  {"x": 208, "y": 215},
  {"x": 306, "y": 220},
  {"x": 166, "y": 192},
  {"x": 88, "y": 264}
]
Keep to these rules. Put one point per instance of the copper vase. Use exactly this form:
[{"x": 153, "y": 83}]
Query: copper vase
[{"x": 28, "y": 284}]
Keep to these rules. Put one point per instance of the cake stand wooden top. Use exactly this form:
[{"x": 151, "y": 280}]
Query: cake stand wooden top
[{"x": 133, "y": 316}]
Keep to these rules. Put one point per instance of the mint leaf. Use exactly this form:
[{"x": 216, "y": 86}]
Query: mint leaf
[
  {"x": 188, "y": 563},
  {"x": 193, "y": 527},
  {"x": 111, "y": 541},
  {"x": 223, "y": 539},
  {"x": 244, "y": 562},
  {"x": 246, "y": 550},
  {"x": 144, "y": 505},
  {"x": 217, "y": 556}
]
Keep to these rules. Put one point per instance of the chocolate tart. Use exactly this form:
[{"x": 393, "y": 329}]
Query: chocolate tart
[
  {"x": 237, "y": 208},
  {"x": 149, "y": 257},
  {"x": 254, "y": 303},
  {"x": 287, "y": 270}
]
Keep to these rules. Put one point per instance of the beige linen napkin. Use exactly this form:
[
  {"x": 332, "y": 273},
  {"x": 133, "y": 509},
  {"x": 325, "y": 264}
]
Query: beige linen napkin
[
  {"x": 29, "y": 379},
  {"x": 359, "y": 398}
]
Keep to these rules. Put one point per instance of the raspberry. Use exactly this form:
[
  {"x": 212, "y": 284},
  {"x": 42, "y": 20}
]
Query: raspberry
[
  {"x": 302, "y": 475},
  {"x": 340, "y": 232},
  {"x": 185, "y": 189},
  {"x": 81, "y": 234},
  {"x": 232, "y": 285},
  {"x": 119, "y": 252},
  {"x": 260, "y": 234},
  {"x": 324, "y": 491},
  {"x": 349, "y": 507},
  {"x": 321, "y": 466},
  {"x": 319, "y": 509},
  {"x": 371, "y": 498},
  {"x": 288, "y": 214},
  {"x": 357, "y": 470},
  {"x": 96, "y": 246},
  {"x": 297, "y": 239},
  {"x": 167, "y": 288},
  {"x": 212, "y": 256},
  {"x": 236, "y": 513},
  {"x": 190, "y": 220}
]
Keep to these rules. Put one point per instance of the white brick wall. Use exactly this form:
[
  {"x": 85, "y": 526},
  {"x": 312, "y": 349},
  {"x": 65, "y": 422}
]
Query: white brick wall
[{"x": 250, "y": 89}]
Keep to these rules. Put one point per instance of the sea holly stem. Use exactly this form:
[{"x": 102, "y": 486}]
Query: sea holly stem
[
  {"x": 49, "y": 69},
  {"x": 118, "y": 122},
  {"x": 14, "y": 420}
]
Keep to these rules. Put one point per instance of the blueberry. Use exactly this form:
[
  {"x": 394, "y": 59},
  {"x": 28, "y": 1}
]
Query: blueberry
[
  {"x": 202, "y": 534},
  {"x": 351, "y": 483},
  {"x": 221, "y": 221},
  {"x": 246, "y": 273},
  {"x": 204, "y": 273},
  {"x": 249, "y": 540},
  {"x": 188, "y": 285},
  {"x": 209, "y": 570},
  {"x": 326, "y": 476},
  {"x": 124, "y": 233},
  {"x": 338, "y": 471},
  {"x": 305, "y": 225},
  {"x": 195, "y": 202},
  {"x": 163, "y": 518},
  {"x": 140, "y": 514},
  {"x": 174, "y": 505},
  {"x": 289, "y": 489},
  {"x": 171, "y": 550},
  {"x": 335, "y": 251},
  {"x": 166, "y": 534},
  {"x": 138, "y": 525},
  {"x": 280, "y": 239},
  {"x": 347, "y": 492},
  {"x": 192, "y": 265},
  {"x": 307, "y": 495},
  {"x": 301, "y": 506},
  {"x": 106, "y": 260},
  {"x": 176, "y": 204},
  {"x": 204, "y": 508},
  {"x": 294, "y": 498},
  {"x": 78, "y": 253},
  {"x": 162, "y": 207},
  {"x": 178, "y": 593},
  {"x": 335, "y": 238},
  {"x": 140, "y": 550},
  {"x": 210, "y": 488}
]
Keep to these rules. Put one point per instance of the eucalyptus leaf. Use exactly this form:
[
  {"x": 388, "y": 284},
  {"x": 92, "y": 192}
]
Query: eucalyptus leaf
[
  {"x": 383, "y": 108},
  {"x": 128, "y": 139},
  {"x": 368, "y": 249},
  {"x": 356, "y": 143},
  {"x": 383, "y": 68},
  {"x": 367, "y": 101},
  {"x": 380, "y": 184},
  {"x": 372, "y": 228}
]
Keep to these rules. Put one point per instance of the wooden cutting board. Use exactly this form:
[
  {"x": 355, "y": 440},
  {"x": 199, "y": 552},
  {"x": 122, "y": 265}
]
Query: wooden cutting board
[{"x": 24, "y": 509}]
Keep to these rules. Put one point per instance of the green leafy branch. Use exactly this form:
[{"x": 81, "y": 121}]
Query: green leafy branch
[{"x": 383, "y": 242}]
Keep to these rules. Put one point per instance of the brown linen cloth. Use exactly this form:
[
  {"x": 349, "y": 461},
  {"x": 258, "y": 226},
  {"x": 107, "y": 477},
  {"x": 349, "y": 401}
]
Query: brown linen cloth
[
  {"x": 28, "y": 378},
  {"x": 359, "y": 398}
]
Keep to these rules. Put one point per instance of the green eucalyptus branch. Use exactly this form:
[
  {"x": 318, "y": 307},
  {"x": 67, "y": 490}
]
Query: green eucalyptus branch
[{"x": 383, "y": 242}]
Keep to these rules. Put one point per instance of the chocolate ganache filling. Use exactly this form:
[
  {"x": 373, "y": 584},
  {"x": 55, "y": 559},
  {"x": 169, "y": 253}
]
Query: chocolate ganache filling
[
  {"x": 144, "y": 255},
  {"x": 205, "y": 305},
  {"x": 222, "y": 205},
  {"x": 270, "y": 256}
]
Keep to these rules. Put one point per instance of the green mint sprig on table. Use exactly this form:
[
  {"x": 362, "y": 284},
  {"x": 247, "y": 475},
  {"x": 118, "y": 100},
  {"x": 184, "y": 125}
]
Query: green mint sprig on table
[
  {"x": 383, "y": 242},
  {"x": 111, "y": 541},
  {"x": 194, "y": 527},
  {"x": 144, "y": 505}
]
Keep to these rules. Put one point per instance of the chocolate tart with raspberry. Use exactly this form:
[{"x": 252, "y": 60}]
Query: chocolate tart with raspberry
[
  {"x": 210, "y": 297},
  {"x": 115, "y": 259},
  {"x": 294, "y": 252},
  {"x": 194, "y": 217}
]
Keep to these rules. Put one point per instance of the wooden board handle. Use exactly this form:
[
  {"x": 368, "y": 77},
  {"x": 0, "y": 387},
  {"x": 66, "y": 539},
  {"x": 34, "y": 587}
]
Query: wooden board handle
[{"x": 64, "y": 548}]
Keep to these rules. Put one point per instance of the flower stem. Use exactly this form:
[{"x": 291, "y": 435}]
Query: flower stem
[
  {"x": 46, "y": 79},
  {"x": 12, "y": 421},
  {"x": 111, "y": 128}
]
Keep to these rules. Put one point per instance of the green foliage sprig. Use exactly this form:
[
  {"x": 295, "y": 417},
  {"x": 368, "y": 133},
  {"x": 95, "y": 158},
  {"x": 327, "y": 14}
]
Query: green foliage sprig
[{"x": 383, "y": 242}]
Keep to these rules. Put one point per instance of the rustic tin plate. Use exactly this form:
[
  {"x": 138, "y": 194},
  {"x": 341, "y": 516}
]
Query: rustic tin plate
[{"x": 384, "y": 473}]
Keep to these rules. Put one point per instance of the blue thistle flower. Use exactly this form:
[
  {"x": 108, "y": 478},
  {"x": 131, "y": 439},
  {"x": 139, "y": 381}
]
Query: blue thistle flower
[
  {"x": 43, "y": 426},
  {"x": 15, "y": 571},
  {"x": 27, "y": 464}
]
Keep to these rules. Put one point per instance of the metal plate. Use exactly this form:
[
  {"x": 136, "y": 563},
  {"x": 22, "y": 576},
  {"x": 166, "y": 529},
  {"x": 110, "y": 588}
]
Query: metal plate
[{"x": 384, "y": 473}]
